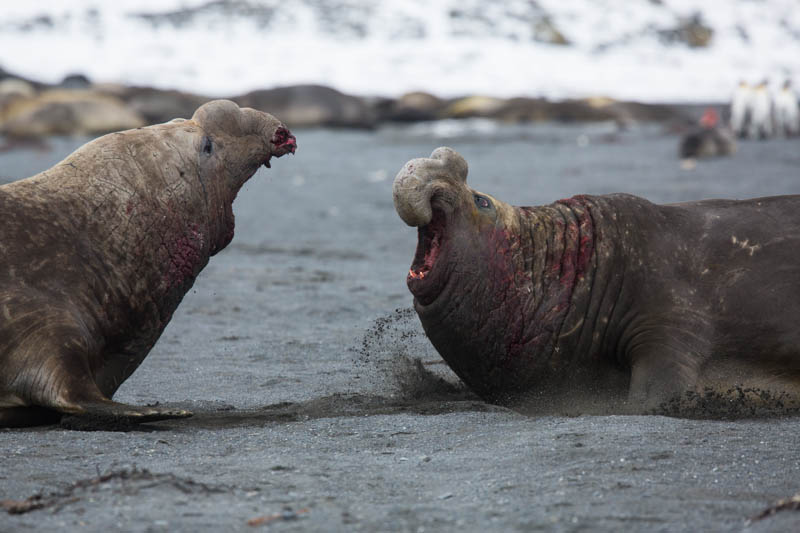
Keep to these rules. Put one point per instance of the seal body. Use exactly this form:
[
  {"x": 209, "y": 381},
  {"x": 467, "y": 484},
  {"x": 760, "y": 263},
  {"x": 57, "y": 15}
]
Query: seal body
[
  {"x": 708, "y": 139},
  {"x": 603, "y": 294},
  {"x": 98, "y": 251}
]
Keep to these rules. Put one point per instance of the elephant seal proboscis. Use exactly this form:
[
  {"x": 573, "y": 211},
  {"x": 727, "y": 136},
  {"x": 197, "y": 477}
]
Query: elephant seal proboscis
[
  {"x": 98, "y": 251},
  {"x": 603, "y": 294}
]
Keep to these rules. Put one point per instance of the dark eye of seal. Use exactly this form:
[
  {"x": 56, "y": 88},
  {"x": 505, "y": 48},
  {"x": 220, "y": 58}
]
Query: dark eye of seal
[
  {"x": 208, "y": 146},
  {"x": 482, "y": 202}
]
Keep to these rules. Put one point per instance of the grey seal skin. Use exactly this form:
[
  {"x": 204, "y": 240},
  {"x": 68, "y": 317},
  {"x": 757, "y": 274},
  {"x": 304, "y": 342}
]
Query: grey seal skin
[
  {"x": 603, "y": 295},
  {"x": 98, "y": 251}
]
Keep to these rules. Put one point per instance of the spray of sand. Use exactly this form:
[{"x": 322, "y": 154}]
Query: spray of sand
[{"x": 395, "y": 357}]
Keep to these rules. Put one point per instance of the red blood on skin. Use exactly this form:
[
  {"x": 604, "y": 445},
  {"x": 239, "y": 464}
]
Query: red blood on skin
[
  {"x": 284, "y": 138},
  {"x": 508, "y": 284},
  {"x": 502, "y": 243},
  {"x": 186, "y": 256}
]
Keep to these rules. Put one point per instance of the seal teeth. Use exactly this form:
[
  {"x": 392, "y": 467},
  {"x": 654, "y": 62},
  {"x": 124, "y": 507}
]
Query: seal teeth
[{"x": 416, "y": 275}]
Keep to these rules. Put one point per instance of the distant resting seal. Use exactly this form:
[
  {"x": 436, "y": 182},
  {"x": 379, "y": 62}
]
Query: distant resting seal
[
  {"x": 707, "y": 142},
  {"x": 603, "y": 294},
  {"x": 97, "y": 252},
  {"x": 707, "y": 139}
]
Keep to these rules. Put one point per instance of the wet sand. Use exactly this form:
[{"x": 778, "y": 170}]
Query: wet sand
[{"x": 319, "y": 406}]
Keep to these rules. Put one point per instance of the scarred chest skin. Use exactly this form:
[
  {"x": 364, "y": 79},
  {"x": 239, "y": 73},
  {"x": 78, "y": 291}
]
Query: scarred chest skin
[{"x": 606, "y": 295}]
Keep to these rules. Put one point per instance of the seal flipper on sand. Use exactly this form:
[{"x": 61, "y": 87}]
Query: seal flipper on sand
[
  {"x": 63, "y": 385},
  {"x": 110, "y": 415}
]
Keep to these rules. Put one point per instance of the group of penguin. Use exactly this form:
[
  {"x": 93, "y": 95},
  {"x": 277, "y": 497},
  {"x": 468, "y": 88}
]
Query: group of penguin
[{"x": 756, "y": 113}]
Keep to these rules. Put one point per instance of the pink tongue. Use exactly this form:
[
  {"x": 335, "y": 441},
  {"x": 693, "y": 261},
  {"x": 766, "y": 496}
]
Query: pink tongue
[{"x": 433, "y": 252}]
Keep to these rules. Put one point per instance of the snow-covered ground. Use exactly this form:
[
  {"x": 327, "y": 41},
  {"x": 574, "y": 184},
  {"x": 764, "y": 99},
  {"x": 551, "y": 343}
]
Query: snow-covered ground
[{"x": 616, "y": 48}]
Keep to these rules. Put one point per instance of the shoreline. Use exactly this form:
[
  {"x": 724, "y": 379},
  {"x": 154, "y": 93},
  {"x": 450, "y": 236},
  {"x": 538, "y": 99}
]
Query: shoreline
[{"x": 76, "y": 106}]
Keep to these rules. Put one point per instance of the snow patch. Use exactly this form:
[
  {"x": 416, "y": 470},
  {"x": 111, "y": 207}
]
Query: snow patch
[{"x": 447, "y": 47}]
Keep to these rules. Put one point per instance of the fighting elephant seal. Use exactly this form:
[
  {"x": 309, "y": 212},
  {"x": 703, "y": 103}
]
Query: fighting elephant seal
[
  {"x": 603, "y": 294},
  {"x": 98, "y": 251}
]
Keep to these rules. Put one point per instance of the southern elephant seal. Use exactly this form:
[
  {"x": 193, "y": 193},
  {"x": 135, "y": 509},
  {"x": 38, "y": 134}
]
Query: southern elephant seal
[
  {"x": 603, "y": 294},
  {"x": 98, "y": 251}
]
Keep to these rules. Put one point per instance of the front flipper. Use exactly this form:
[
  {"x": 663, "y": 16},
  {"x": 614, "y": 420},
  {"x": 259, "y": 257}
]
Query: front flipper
[
  {"x": 661, "y": 372},
  {"x": 53, "y": 372},
  {"x": 100, "y": 416},
  {"x": 114, "y": 416}
]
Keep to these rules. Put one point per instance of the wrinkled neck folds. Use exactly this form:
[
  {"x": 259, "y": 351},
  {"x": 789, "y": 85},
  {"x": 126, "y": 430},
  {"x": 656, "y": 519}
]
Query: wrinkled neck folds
[
  {"x": 559, "y": 244},
  {"x": 562, "y": 241},
  {"x": 534, "y": 306}
]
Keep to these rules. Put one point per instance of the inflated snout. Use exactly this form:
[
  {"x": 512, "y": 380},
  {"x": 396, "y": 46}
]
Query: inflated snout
[{"x": 420, "y": 178}]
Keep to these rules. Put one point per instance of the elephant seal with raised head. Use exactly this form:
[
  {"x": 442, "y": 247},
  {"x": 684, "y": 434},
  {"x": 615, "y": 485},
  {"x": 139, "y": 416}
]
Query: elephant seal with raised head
[
  {"x": 603, "y": 294},
  {"x": 98, "y": 251}
]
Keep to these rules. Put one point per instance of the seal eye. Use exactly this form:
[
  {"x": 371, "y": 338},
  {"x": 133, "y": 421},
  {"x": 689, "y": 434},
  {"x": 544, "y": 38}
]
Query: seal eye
[
  {"x": 208, "y": 146},
  {"x": 482, "y": 202}
]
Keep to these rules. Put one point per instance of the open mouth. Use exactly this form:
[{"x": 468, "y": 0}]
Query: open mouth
[
  {"x": 283, "y": 143},
  {"x": 430, "y": 239}
]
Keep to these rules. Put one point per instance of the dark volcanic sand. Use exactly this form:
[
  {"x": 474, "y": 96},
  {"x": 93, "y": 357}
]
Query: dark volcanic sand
[{"x": 311, "y": 411}]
